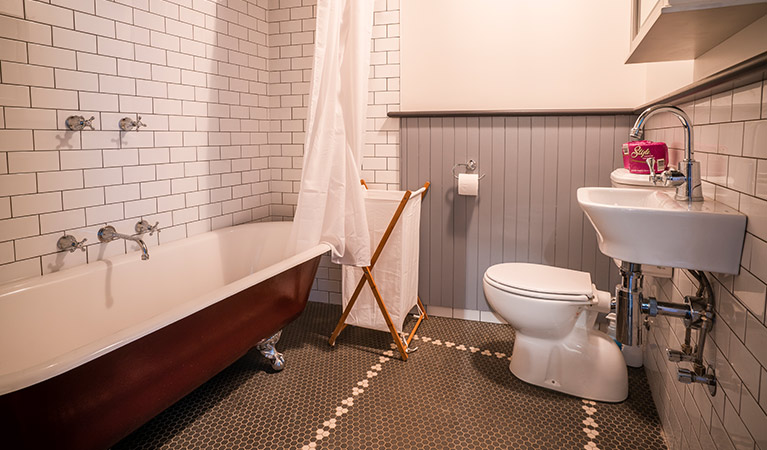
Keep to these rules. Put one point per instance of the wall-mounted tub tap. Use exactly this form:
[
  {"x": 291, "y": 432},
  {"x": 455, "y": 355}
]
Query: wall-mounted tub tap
[
  {"x": 691, "y": 190},
  {"x": 109, "y": 234},
  {"x": 78, "y": 123},
  {"x": 128, "y": 124},
  {"x": 70, "y": 243}
]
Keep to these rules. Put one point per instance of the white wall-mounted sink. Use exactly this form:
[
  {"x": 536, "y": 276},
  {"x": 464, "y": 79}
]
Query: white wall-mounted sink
[{"x": 650, "y": 227}]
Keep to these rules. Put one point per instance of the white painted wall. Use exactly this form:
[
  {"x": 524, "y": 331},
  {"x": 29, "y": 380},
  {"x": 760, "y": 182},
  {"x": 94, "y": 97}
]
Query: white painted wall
[{"x": 501, "y": 54}]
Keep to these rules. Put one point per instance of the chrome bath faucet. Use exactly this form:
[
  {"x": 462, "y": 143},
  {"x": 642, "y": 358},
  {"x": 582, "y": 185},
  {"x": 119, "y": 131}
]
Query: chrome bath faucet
[{"x": 109, "y": 234}]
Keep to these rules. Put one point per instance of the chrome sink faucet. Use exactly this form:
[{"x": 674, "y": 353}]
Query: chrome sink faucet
[
  {"x": 109, "y": 234},
  {"x": 690, "y": 188}
]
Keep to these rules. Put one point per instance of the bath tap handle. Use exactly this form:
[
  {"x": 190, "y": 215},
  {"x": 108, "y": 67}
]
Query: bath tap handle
[
  {"x": 127, "y": 124},
  {"x": 78, "y": 123},
  {"x": 89, "y": 123},
  {"x": 144, "y": 227},
  {"x": 70, "y": 243},
  {"x": 155, "y": 227}
]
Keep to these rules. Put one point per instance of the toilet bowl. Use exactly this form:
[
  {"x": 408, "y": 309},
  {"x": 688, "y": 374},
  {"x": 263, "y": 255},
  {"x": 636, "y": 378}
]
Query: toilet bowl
[{"x": 553, "y": 311}]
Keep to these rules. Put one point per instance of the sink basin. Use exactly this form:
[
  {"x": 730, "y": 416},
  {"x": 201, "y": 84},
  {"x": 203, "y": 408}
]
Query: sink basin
[{"x": 650, "y": 227}]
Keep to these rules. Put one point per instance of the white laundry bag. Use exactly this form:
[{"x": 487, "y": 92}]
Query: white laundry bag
[{"x": 396, "y": 271}]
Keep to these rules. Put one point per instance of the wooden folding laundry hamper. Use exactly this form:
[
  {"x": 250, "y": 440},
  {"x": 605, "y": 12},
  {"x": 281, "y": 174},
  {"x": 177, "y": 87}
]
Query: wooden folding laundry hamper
[{"x": 394, "y": 219}]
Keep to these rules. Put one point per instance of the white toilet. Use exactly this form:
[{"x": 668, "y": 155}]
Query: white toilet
[{"x": 553, "y": 311}]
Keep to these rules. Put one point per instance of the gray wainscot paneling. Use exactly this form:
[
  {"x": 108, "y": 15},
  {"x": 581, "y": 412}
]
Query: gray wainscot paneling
[{"x": 526, "y": 210}]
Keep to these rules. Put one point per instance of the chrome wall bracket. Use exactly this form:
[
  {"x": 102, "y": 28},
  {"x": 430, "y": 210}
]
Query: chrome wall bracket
[{"x": 470, "y": 166}]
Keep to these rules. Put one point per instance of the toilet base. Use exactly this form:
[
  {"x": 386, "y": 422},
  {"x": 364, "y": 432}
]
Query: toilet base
[{"x": 586, "y": 364}]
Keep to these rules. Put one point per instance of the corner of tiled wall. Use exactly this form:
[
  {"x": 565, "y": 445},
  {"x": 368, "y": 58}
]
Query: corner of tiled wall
[{"x": 730, "y": 136}]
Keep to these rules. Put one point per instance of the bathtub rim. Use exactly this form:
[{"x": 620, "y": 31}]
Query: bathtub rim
[{"x": 20, "y": 379}]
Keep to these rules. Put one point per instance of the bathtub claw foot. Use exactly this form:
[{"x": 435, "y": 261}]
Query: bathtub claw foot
[{"x": 266, "y": 347}]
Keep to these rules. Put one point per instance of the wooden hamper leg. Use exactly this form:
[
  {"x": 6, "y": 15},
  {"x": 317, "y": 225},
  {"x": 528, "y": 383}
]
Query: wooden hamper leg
[
  {"x": 385, "y": 312},
  {"x": 342, "y": 322}
]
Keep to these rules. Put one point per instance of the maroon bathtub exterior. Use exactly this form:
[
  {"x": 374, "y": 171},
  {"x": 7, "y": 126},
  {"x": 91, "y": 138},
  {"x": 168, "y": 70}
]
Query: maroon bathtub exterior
[{"x": 95, "y": 405}]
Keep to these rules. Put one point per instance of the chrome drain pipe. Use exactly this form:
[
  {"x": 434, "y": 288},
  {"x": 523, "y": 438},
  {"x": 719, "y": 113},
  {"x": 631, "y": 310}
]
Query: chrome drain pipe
[{"x": 628, "y": 301}]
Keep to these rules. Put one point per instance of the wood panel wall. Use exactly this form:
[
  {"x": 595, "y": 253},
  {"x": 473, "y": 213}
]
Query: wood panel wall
[{"x": 526, "y": 210}]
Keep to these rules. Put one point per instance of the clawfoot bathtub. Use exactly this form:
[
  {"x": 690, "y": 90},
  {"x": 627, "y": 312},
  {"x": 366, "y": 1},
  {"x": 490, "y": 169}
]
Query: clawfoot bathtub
[{"x": 89, "y": 354}]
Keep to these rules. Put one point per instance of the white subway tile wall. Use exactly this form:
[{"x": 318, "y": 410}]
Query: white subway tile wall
[
  {"x": 196, "y": 71},
  {"x": 731, "y": 142}
]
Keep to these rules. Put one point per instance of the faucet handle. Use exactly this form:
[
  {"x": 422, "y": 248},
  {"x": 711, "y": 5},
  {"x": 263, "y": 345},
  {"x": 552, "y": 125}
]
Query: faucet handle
[
  {"x": 672, "y": 177},
  {"x": 155, "y": 227},
  {"x": 78, "y": 123},
  {"x": 70, "y": 243},
  {"x": 144, "y": 227},
  {"x": 651, "y": 164},
  {"x": 89, "y": 123},
  {"x": 128, "y": 124}
]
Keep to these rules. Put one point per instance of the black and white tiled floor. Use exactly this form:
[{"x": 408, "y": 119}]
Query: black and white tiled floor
[{"x": 455, "y": 392}]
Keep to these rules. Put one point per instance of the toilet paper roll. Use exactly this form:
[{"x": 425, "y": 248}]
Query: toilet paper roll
[{"x": 468, "y": 184}]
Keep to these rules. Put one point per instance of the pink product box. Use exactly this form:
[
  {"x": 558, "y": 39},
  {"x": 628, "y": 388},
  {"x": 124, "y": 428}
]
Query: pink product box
[{"x": 635, "y": 156}]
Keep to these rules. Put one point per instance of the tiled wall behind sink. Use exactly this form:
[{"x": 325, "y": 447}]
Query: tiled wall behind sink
[
  {"x": 731, "y": 143},
  {"x": 196, "y": 73}
]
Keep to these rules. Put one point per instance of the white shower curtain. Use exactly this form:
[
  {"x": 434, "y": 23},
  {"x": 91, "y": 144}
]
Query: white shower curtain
[{"x": 331, "y": 207}]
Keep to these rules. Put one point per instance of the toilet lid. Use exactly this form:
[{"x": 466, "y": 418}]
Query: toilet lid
[{"x": 541, "y": 281}]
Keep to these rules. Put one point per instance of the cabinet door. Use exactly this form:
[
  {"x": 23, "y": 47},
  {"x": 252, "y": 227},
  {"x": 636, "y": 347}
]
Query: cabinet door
[{"x": 641, "y": 11}]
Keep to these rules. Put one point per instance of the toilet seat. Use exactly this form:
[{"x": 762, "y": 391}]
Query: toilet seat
[{"x": 541, "y": 282}]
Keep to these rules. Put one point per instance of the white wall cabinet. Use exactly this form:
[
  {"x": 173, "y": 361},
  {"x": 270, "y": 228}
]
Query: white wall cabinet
[{"x": 673, "y": 30}]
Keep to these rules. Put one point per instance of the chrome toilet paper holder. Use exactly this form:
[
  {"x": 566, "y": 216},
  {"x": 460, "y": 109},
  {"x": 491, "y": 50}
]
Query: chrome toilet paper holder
[{"x": 470, "y": 166}]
